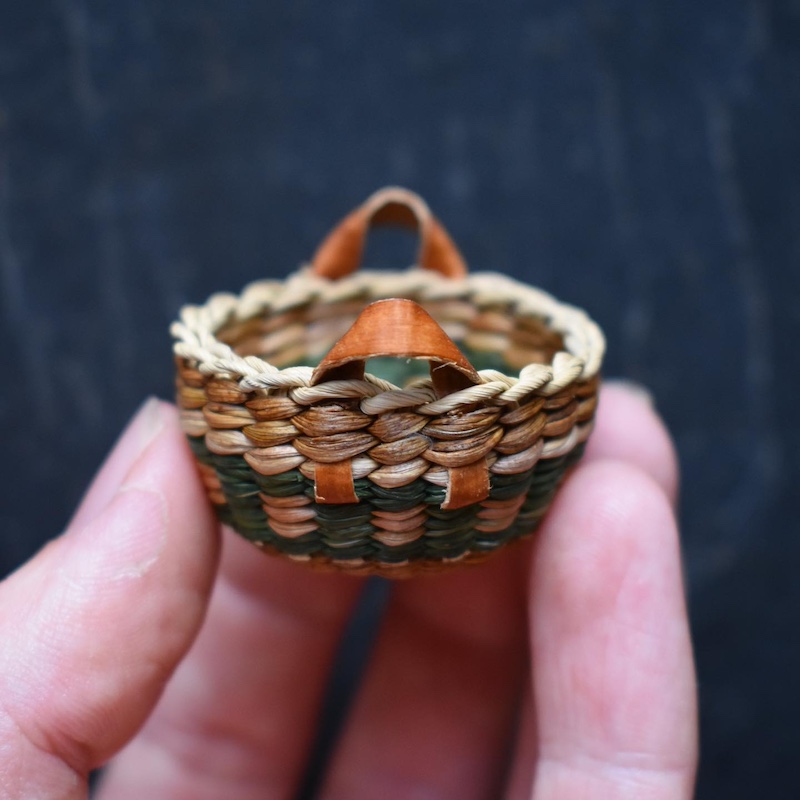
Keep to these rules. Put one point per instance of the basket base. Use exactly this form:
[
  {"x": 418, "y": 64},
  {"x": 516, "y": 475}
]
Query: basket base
[{"x": 401, "y": 571}]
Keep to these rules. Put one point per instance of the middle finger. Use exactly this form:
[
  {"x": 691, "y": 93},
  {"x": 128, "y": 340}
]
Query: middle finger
[{"x": 436, "y": 713}]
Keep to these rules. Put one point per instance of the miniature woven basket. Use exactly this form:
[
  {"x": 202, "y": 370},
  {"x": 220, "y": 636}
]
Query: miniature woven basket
[{"x": 408, "y": 467}]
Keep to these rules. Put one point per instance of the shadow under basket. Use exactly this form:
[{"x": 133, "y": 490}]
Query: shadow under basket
[{"x": 382, "y": 422}]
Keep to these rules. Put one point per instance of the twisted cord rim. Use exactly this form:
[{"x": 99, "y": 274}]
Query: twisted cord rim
[{"x": 195, "y": 335}]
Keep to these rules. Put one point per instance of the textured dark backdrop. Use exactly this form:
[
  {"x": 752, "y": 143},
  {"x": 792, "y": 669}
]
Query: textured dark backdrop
[{"x": 640, "y": 159}]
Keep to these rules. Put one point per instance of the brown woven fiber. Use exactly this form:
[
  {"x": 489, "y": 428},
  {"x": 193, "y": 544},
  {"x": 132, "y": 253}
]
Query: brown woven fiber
[{"x": 386, "y": 422}]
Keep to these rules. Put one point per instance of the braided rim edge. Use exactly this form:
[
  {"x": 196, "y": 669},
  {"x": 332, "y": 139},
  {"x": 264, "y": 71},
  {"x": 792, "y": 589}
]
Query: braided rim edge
[{"x": 195, "y": 339}]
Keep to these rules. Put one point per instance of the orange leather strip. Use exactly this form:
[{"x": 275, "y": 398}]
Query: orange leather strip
[
  {"x": 401, "y": 328},
  {"x": 342, "y": 249},
  {"x": 467, "y": 485},
  {"x": 395, "y": 327},
  {"x": 333, "y": 483}
]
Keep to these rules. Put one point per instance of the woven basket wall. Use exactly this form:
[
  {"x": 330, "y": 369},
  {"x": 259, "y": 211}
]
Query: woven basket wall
[{"x": 384, "y": 471}]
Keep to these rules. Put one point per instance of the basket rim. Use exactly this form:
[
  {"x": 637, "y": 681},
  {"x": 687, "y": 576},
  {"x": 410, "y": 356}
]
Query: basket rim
[{"x": 579, "y": 361}]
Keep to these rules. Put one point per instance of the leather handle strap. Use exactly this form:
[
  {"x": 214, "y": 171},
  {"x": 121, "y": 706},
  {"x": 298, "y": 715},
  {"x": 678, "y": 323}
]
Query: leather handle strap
[
  {"x": 342, "y": 249},
  {"x": 400, "y": 328}
]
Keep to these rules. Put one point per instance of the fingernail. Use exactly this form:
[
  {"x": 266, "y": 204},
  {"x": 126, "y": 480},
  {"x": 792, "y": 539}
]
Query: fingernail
[
  {"x": 141, "y": 521},
  {"x": 143, "y": 428},
  {"x": 126, "y": 533},
  {"x": 635, "y": 389},
  {"x": 141, "y": 508},
  {"x": 126, "y": 540},
  {"x": 148, "y": 423}
]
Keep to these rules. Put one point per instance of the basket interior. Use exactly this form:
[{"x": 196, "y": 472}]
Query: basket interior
[{"x": 490, "y": 337}]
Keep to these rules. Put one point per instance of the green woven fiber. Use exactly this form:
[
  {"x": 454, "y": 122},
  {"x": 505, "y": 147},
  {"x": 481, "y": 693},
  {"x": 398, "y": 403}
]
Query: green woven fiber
[
  {"x": 400, "y": 499},
  {"x": 345, "y": 531},
  {"x": 287, "y": 484},
  {"x": 545, "y": 480}
]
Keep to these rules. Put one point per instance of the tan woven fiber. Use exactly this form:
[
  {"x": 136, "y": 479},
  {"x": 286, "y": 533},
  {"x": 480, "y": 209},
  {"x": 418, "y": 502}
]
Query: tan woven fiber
[
  {"x": 312, "y": 456},
  {"x": 583, "y": 342}
]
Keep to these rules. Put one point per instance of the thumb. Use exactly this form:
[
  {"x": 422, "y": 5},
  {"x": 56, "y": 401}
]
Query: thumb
[{"x": 93, "y": 626}]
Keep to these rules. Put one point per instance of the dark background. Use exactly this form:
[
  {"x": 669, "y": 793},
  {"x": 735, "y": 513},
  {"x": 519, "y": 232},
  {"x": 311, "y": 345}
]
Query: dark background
[{"x": 640, "y": 159}]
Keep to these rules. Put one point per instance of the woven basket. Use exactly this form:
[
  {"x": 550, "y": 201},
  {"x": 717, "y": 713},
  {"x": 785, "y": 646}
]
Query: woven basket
[{"x": 412, "y": 466}]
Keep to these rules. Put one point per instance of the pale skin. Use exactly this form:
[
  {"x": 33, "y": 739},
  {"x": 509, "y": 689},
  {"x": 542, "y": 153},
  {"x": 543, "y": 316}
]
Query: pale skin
[{"x": 147, "y": 637}]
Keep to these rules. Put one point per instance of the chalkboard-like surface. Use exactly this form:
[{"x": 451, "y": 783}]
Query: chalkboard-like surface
[{"x": 640, "y": 159}]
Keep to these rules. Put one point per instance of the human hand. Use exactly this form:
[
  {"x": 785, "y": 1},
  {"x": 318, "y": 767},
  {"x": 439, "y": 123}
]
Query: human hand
[{"x": 561, "y": 668}]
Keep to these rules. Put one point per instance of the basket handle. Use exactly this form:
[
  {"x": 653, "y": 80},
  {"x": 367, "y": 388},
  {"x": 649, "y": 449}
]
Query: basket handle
[
  {"x": 342, "y": 249},
  {"x": 400, "y": 328},
  {"x": 403, "y": 329}
]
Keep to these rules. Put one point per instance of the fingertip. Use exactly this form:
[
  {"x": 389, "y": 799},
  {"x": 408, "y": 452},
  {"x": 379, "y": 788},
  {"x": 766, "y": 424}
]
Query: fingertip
[
  {"x": 159, "y": 498},
  {"x": 164, "y": 488},
  {"x": 610, "y": 523},
  {"x": 610, "y": 638},
  {"x": 628, "y": 428},
  {"x": 142, "y": 428},
  {"x": 611, "y": 505}
]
